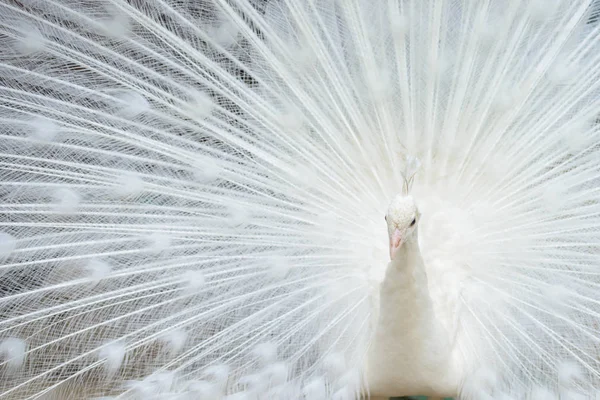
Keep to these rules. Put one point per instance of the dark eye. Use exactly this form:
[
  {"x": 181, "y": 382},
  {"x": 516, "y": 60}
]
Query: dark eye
[
  {"x": 414, "y": 221},
  {"x": 385, "y": 218}
]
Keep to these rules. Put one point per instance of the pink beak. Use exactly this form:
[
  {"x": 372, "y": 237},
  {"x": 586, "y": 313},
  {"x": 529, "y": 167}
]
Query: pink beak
[{"x": 395, "y": 243}]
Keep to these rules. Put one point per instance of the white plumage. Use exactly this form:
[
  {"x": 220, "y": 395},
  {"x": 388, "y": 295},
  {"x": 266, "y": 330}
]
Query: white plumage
[{"x": 193, "y": 195}]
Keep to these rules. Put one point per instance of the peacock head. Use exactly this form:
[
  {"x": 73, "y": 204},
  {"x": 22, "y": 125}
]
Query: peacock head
[{"x": 402, "y": 218}]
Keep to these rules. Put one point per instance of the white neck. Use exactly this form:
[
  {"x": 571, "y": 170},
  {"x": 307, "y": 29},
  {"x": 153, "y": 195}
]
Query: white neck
[{"x": 410, "y": 353}]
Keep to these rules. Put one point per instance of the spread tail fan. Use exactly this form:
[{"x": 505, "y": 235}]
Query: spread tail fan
[{"x": 193, "y": 193}]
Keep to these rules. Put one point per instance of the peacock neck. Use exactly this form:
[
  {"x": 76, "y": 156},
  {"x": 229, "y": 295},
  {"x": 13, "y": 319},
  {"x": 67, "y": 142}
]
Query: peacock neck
[
  {"x": 410, "y": 354},
  {"x": 405, "y": 310}
]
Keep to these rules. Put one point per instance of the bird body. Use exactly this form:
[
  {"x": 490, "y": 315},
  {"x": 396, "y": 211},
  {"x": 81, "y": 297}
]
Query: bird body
[
  {"x": 192, "y": 196},
  {"x": 430, "y": 365}
]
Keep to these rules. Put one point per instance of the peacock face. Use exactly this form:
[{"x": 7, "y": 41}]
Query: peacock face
[{"x": 401, "y": 218}]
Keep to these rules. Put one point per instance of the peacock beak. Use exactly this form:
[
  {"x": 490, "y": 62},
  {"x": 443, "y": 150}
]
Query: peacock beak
[{"x": 395, "y": 242}]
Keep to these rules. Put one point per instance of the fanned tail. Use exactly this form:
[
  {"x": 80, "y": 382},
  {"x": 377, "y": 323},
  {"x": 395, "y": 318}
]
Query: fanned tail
[{"x": 192, "y": 192}]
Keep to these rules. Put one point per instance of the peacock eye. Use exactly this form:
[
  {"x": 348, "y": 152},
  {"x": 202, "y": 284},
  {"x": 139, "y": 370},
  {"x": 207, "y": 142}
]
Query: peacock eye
[{"x": 414, "y": 221}]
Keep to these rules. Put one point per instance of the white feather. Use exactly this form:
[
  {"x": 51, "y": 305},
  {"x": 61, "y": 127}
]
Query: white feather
[
  {"x": 98, "y": 270},
  {"x": 43, "y": 129},
  {"x": 66, "y": 200},
  {"x": 113, "y": 355},
  {"x": 192, "y": 197},
  {"x": 8, "y": 244},
  {"x": 13, "y": 352}
]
